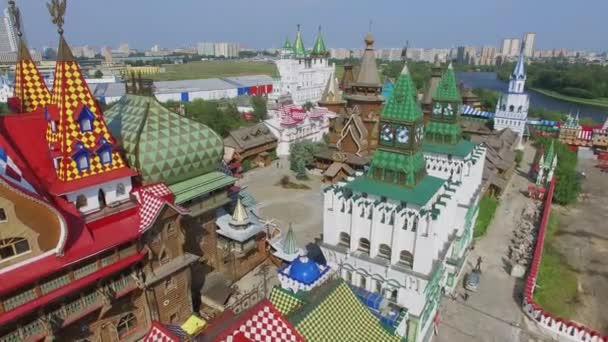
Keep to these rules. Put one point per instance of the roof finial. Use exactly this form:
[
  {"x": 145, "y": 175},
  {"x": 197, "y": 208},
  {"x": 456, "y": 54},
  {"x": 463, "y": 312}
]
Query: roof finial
[
  {"x": 404, "y": 51},
  {"x": 319, "y": 28},
  {"x": 16, "y": 16},
  {"x": 57, "y": 11},
  {"x": 298, "y": 27},
  {"x": 370, "y": 26}
]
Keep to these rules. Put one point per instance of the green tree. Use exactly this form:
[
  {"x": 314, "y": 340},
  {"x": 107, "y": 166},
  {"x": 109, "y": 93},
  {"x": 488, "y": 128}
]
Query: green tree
[
  {"x": 301, "y": 156},
  {"x": 260, "y": 112},
  {"x": 98, "y": 74},
  {"x": 488, "y": 98},
  {"x": 4, "y": 108},
  {"x": 308, "y": 105},
  {"x": 568, "y": 184},
  {"x": 221, "y": 120}
]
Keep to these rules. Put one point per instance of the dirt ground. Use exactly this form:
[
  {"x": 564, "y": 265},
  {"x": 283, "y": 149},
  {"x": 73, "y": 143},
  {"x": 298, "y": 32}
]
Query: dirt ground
[
  {"x": 302, "y": 208},
  {"x": 582, "y": 237}
]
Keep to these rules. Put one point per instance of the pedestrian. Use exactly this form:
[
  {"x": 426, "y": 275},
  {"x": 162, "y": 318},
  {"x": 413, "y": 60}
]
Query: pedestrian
[{"x": 478, "y": 266}]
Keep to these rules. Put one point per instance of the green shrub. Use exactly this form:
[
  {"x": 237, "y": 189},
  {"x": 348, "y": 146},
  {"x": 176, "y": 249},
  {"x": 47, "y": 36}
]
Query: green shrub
[{"x": 487, "y": 209}]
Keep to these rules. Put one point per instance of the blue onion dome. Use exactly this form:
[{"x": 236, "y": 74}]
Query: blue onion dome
[{"x": 304, "y": 270}]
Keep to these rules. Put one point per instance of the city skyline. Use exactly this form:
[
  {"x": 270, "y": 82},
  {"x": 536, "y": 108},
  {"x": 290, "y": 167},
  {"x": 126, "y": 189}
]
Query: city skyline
[{"x": 476, "y": 23}]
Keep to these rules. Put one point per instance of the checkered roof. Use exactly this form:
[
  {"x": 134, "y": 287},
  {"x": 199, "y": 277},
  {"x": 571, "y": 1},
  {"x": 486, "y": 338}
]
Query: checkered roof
[
  {"x": 30, "y": 89},
  {"x": 71, "y": 98},
  {"x": 158, "y": 333}
]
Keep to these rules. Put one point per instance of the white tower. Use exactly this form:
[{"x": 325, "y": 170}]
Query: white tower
[{"x": 512, "y": 107}]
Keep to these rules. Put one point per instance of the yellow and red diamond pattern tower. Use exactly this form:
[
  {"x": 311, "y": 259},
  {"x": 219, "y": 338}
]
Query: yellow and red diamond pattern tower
[
  {"x": 30, "y": 90},
  {"x": 70, "y": 95}
]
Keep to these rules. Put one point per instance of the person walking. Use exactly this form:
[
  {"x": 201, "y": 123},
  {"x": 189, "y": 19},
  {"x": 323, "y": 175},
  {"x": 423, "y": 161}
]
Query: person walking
[{"x": 478, "y": 266}]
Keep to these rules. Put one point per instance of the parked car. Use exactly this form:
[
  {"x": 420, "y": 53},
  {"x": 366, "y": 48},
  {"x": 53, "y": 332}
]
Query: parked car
[{"x": 471, "y": 282}]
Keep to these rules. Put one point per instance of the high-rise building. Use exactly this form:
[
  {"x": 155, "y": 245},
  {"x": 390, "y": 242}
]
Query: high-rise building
[
  {"x": 461, "y": 57},
  {"x": 529, "y": 39},
  {"x": 488, "y": 55},
  {"x": 515, "y": 47},
  {"x": 8, "y": 34},
  {"x": 124, "y": 48},
  {"x": 205, "y": 49},
  {"x": 506, "y": 47}
]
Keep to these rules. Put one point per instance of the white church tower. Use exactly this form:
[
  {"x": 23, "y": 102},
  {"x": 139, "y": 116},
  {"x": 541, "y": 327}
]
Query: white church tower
[
  {"x": 303, "y": 73},
  {"x": 512, "y": 107}
]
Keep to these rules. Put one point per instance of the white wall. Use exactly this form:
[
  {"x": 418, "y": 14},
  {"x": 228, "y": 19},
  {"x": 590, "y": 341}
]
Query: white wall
[{"x": 109, "y": 189}]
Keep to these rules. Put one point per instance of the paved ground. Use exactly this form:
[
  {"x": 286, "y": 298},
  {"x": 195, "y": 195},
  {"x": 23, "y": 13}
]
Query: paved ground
[
  {"x": 302, "y": 208},
  {"x": 582, "y": 237},
  {"x": 494, "y": 312}
]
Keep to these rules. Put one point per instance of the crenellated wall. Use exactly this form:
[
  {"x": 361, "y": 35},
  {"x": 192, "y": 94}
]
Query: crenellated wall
[{"x": 552, "y": 325}]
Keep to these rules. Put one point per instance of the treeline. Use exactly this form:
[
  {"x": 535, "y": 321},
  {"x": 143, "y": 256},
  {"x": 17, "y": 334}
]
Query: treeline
[
  {"x": 578, "y": 80},
  {"x": 221, "y": 116},
  {"x": 420, "y": 71}
]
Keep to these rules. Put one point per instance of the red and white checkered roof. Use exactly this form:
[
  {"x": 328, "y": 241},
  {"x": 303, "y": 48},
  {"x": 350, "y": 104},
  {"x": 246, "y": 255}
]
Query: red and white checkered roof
[
  {"x": 262, "y": 323},
  {"x": 152, "y": 199},
  {"x": 158, "y": 333},
  {"x": 585, "y": 134}
]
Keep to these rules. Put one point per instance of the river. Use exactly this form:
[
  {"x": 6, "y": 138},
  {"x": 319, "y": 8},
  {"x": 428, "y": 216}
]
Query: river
[{"x": 488, "y": 80}]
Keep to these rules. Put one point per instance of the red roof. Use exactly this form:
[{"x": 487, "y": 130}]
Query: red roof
[
  {"x": 261, "y": 323},
  {"x": 158, "y": 333},
  {"x": 27, "y": 133}
]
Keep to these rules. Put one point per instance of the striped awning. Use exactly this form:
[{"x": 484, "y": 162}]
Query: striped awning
[{"x": 470, "y": 111}]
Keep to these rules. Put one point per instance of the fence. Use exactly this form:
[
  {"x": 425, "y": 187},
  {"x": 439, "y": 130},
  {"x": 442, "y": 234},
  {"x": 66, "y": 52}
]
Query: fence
[{"x": 561, "y": 328}]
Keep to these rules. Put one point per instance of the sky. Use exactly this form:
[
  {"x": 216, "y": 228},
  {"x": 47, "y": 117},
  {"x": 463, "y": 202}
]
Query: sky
[{"x": 266, "y": 23}]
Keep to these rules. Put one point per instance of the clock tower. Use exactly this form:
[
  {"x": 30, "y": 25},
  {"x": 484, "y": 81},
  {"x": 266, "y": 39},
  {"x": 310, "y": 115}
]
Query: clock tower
[
  {"x": 443, "y": 126},
  {"x": 399, "y": 159}
]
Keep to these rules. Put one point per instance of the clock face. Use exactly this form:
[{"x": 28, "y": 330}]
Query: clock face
[
  {"x": 437, "y": 109},
  {"x": 449, "y": 110},
  {"x": 419, "y": 133},
  {"x": 403, "y": 134},
  {"x": 386, "y": 133}
]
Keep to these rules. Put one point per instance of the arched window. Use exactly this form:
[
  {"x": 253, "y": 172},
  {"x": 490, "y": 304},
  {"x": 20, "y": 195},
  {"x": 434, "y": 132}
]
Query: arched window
[
  {"x": 349, "y": 277},
  {"x": 126, "y": 324},
  {"x": 81, "y": 201},
  {"x": 519, "y": 109},
  {"x": 363, "y": 282},
  {"x": 511, "y": 108},
  {"x": 384, "y": 251},
  {"x": 12, "y": 247},
  {"x": 364, "y": 245},
  {"x": 105, "y": 156},
  {"x": 406, "y": 258},
  {"x": 394, "y": 294},
  {"x": 120, "y": 189},
  {"x": 344, "y": 240},
  {"x": 83, "y": 162}
]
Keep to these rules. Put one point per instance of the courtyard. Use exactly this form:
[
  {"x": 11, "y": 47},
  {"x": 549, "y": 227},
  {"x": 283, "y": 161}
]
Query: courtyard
[
  {"x": 582, "y": 239},
  {"x": 302, "y": 208}
]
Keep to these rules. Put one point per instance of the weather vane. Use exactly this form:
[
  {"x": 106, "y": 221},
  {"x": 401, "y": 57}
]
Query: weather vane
[
  {"x": 57, "y": 11},
  {"x": 15, "y": 16}
]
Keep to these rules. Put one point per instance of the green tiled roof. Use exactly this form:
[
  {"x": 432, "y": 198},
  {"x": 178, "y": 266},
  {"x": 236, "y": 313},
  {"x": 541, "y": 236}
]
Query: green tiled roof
[
  {"x": 287, "y": 45},
  {"x": 436, "y": 132},
  {"x": 319, "y": 47},
  {"x": 201, "y": 185},
  {"x": 162, "y": 145},
  {"x": 447, "y": 90},
  {"x": 285, "y": 301},
  {"x": 338, "y": 315},
  {"x": 411, "y": 164},
  {"x": 419, "y": 195},
  {"x": 298, "y": 46},
  {"x": 402, "y": 104},
  {"x": 462, "y": 149}
]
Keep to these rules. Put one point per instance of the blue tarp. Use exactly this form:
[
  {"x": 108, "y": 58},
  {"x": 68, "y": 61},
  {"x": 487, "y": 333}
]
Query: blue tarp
[{"x": 185, "y": 97}]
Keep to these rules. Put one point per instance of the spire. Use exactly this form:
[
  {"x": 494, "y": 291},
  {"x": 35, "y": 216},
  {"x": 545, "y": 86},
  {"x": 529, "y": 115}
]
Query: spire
[
  {"x": 78, "y": 131},
  {"x": 368, "y": 74},
  {"x": 319, "y": 48},
  {"x": 447, "y": 89},
  {"x": 239, "y": 217},
  {"x": 403, "y": 105},
  {"x": 332, "y": 93},
  {"x": 520, "y": 68},
  {"x": 290, "y": 245},
  {"x": 30, "y": 91},
  {"x": 549, "y": 155},
  {"x": 287, "y": 44},
  {"x": 298, "y": 45}
]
